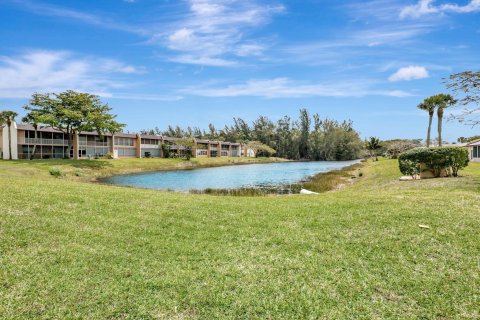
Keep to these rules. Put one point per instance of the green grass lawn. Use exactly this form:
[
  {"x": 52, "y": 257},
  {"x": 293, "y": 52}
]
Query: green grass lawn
[{"x": 73, "y": 249}]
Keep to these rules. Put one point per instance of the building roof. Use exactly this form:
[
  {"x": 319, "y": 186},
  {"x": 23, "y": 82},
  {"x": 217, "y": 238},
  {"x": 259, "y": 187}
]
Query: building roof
[
  {"x": 474, "y": 143},
  {"x": 26, "y": 126}
]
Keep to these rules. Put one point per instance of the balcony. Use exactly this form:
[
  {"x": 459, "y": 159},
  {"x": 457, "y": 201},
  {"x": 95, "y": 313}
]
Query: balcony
[
  {"x": 60, "y": 142},
  {"x": 94, "y": 143},
  {"x": 150, "y": 146}
]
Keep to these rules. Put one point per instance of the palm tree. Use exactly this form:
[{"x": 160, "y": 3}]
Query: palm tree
[
  {"x": 442, "y": 101},
  {"x": 429, "y": 106},
  {"x": 8, "y": 117},
  {"x": 373, "y": 145},
  {"x": 32, "y": 118}
]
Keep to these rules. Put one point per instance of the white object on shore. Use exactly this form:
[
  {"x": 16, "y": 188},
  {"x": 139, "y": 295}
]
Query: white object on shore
[{"x": 305, "y": 191}]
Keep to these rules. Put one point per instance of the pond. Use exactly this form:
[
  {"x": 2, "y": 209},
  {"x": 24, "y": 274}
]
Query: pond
[{"x": 270, "y": 175}]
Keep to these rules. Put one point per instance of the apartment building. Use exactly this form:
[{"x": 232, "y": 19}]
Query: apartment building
[
  {"x": 53, "y": 144},
  {"x": 474, "y": 150}
]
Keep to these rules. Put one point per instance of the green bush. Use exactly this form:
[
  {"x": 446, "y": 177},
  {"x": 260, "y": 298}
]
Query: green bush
[
  {"x": 56, "y": 172},
  {"x": 409, "y": 167},
  {"x": 450, "y": 159}
]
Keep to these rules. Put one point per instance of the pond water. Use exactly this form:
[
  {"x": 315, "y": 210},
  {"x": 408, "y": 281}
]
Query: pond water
[{"x": 268, "y": 175}]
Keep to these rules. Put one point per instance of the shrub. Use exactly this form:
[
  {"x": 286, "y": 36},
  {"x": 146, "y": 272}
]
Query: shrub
[
  {"x": 409, "y": 167},
  {"x": 56, "y": 172},
  {"x": 109, "y": 155},
  {"x": 450, "y": 159}
]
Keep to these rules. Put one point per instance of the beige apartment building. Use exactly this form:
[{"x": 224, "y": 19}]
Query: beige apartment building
[
  {"x": 474, "y": 150},
  {"x": 52, "y": 144}
]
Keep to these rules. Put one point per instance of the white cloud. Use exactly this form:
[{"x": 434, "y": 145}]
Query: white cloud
[
  {"x": 204, "y": 61},
  {"x": 50, "y": 71},
  {"x": 214, "y": 29},
  {"x": 286, "y": 88},
  {"x": 409, "y": 73},
  {"x": 427, "y": 7}
]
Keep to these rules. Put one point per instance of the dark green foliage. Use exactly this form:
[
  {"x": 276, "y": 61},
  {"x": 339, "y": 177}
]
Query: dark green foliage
[
  {"x": 72, "y": 112},
  {"x": 468, "y": 139},
  {"x": 165, "y": 150},
  {"x": 450, "y": 159},
  {"x": 409, "y": 167},
  {"x": 261, "y": 149},
  {"x": 373, "y": 145},
  {"x": 55, "y": 172},
  {"x": 329, "y": 139}
]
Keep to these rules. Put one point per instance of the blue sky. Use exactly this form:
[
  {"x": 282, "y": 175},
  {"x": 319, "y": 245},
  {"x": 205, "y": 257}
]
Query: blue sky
[{"x": 192, "y": 62}]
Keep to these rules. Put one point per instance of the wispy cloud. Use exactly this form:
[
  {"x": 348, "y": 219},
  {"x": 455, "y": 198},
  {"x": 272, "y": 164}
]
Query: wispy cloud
[
  {"x": 209, "y": 32},
  {"x": 50, "y": 71},
  {"x": 88, "y": 18},
  {"x": 428, "y": 7},
  {"x": 286, "y": 88},
  {"x": 214, "y": 31},
  {"x": 409, "y": 73}
]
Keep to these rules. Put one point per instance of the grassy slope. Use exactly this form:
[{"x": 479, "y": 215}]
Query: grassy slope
[
  {"x": 77, "y": 250},
  {"x": 88, "y": 170}
]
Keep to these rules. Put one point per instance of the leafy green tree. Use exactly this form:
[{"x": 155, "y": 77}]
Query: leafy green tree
[
  {"x": 329, "y": 140},
  {"x": 264, "y": 130},
  {"x": 8, "y": 117},
  {"x": 373, "y": 144},
  {"x": 468, "y": 139},
  {"x": 427, "y": 105},
  {"x": 72, "y": 112},
  {"x": 260, "y": 149},
  {"x": 188, "y": 143}
]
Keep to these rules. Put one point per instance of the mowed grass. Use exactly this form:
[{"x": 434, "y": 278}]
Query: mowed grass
[{"x": 72, "y": 249}]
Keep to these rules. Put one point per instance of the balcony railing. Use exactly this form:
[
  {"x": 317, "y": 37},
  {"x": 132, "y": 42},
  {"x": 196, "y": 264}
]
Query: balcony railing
[
  {"x": 46, "y": 141},
  {"x": 94, "y": 143}
]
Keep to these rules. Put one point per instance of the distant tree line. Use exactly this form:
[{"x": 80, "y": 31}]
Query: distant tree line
[
  {"x": 308, "y": 138},
  {"x": 468, "y": 139}
]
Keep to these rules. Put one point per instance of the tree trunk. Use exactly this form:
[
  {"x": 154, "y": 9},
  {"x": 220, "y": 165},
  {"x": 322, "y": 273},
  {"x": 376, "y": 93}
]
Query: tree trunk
[
  {"x": 440, "y": 119},
  {"x": 70, "y": 143},
  {"x": 69, "y": 147},
  {"x": 35, "y": 144},
  {"x": 9, "y": 126},
  {"x": 430, "y": 119}
]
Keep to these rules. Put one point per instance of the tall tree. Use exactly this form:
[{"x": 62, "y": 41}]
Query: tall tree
[
  {"x": 263, "y": 129},
  {"x": 72, "y": 112},
  {"x": 8, "y": 117},
  {"x": 442, "y": 102},
  {"x": 304, "y": 133},
  {"x": 466, "y": 84},
  {"x": 427, "y": 105},
  {"x": 35, "y": 118},
  {"x": 373, "y": 144}
]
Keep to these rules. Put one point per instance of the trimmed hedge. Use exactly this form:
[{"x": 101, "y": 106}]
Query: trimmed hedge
[{"x": 450, "y": 159}]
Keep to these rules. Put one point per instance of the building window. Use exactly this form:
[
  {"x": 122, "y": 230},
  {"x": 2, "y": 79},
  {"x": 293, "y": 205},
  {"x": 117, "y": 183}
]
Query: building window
[
  {"x": 150, "y": 141},
  {"x": 476, "y": 152},
  {"x": 124, "y": 141}
]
